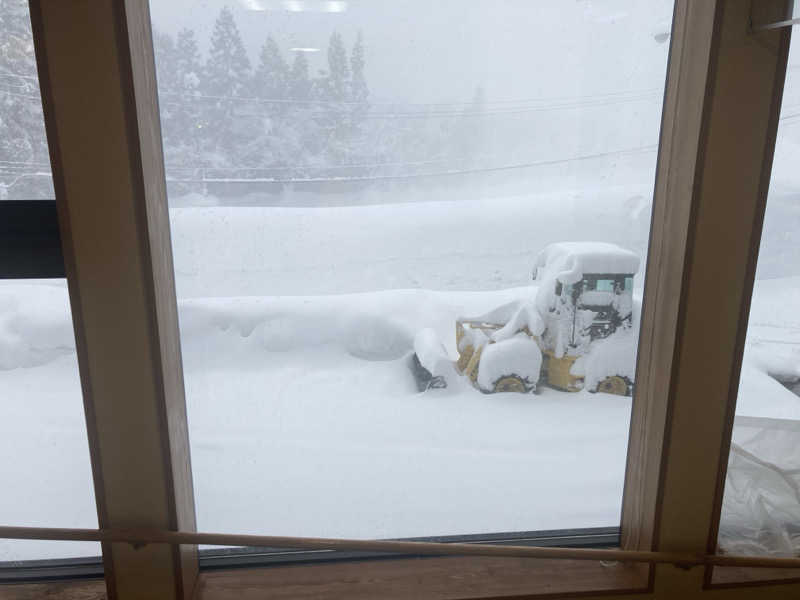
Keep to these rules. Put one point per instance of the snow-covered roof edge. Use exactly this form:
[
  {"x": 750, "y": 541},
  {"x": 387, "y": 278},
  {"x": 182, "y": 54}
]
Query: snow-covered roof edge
[{"x": 568, "y": 262}]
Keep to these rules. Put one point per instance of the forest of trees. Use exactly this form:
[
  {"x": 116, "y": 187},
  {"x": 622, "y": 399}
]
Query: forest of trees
[
  {"x": 223, "y": 112},
  {"x": 225, "y": 117},
  {"x": 24, "y": 161}
]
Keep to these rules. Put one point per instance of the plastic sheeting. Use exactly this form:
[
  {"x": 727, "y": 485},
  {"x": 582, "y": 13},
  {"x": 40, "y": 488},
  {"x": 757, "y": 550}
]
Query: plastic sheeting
[{"x": 761, "y": 504}]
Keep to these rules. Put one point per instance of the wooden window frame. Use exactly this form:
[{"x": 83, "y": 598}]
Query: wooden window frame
[{"x": 95, "y": 61}]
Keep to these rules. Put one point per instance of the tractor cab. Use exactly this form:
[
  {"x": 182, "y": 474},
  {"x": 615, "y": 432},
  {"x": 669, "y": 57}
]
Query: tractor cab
[
  {"x": 585, "y": 293},
  {"x": 608, "y": 296}
]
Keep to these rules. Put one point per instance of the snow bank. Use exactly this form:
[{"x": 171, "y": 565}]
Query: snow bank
[
  {"x": 303, "y": 416},
  {"x": 433, "y": 356},
  {"x": 778, "y": 360},
  {"x": 35, "y": 324},
  {"x": 484, "y": 244}
]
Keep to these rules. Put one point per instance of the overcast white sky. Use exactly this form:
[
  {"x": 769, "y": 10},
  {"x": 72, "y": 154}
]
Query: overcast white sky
[{"x": 440, "y": 50}]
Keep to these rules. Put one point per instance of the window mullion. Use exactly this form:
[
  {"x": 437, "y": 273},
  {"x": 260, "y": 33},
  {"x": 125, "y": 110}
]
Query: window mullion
[
  {"x": 98, "y": 85},
  {"x": 725, "y": 161}
]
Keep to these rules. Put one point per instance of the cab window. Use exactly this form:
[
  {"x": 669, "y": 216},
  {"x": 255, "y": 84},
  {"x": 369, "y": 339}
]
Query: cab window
[{"x": 605, "y": 285}]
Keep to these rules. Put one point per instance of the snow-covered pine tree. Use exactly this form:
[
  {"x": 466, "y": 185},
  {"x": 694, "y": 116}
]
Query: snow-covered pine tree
[
  {"x": 225, "y": 77},
  {"x": 164, "y": 51},
  {"x": 23, "y": 145},
  {"x": 187, "y": 106},
  {"x": 359, "y": 92},
  {"x": 271, "y": 78},
  {"x": 334, "y": 87},
  {"x": 338, "y": 69},
  {"x": 299, "y": 81}
]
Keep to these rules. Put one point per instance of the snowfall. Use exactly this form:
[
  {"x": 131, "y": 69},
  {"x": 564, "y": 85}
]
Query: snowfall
[{"x": 296, "y": 328}]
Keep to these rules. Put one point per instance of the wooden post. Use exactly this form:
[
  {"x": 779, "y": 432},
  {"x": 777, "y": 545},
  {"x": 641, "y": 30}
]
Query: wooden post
[
  {"x": 720, "y": 119},
  {"x": 685, "y": 97},
  {"x": 97, "y": 75}
]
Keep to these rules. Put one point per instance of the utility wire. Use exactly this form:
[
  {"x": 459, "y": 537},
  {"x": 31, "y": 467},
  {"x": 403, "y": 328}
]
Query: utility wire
[
  {"x": 529, "y": 165},
  {"x": 464, "y": 113},
  {"x": 262, "y": 100},
  {"x": 320, "y": 167}
]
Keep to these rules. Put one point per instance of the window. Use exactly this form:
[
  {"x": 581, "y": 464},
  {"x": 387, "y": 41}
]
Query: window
[
  {"x": 343, "y": 194},
  {"x": 605, "y": 285},
  {"x": 761, "y": 507},
  {"x": 45, "y": 466},
  {"x": 701, "y": 368}
]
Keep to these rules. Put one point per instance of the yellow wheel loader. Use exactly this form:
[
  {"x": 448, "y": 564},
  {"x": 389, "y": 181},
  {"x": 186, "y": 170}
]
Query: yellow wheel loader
[{"x": 574, "y": 333}]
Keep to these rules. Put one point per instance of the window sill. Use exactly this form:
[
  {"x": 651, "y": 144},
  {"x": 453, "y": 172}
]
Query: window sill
[
  {"x": 421, "y": 578},
  {"x": 725, "y": 577},
  {"x": 424, "y": 578},
  {"x": 94, "y": 589}
]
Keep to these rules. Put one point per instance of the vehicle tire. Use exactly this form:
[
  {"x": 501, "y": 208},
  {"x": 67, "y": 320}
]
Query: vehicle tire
[
  {"x": 615, "y": 384},
  {"x": 511, "y": 383}
]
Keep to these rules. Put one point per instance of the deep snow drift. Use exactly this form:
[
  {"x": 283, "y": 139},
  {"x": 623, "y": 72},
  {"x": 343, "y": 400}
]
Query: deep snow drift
[{"x": 304, "y": 418}]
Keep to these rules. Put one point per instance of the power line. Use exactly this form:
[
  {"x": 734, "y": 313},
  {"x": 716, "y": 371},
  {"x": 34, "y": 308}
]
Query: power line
[
  {"x": 320, "y": 167},
  {"x": 15, "y": 167},
  {"x": 638, "y": 150},
  {"x": 515, "y": 111},
  {"x": 262, "y": 100},
  {"x": 453, "y": 113}
]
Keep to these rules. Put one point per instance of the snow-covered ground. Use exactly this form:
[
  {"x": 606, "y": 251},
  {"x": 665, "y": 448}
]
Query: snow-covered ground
[{"x": 304, "y": 419}]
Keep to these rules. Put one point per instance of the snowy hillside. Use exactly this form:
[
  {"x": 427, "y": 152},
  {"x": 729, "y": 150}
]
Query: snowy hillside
[{"x": 456, "y": 245}]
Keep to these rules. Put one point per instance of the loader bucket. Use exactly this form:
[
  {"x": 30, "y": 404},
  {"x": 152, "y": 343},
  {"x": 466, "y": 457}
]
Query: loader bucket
[{"x": 424, "y": 379}]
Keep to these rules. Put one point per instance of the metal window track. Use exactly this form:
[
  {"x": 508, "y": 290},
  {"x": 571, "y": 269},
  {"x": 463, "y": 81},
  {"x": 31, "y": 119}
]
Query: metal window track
[{"x": 27, "y": 571}]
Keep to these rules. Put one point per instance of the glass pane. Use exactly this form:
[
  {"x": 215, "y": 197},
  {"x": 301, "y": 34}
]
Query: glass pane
[
  {"x": 24, "y": 161},
  {"x": 45, "y": 466},
  {"x": 45, "y": 469},
  {"x": 356, "y": 214},
  {"x": 761, "y": 504}
]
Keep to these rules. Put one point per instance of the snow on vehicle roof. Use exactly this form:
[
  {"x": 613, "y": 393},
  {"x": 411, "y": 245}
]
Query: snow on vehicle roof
[{"x": 568, "y": 262}]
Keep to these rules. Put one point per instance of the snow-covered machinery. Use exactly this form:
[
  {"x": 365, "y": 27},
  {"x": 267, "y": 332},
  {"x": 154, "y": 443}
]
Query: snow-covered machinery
[{"x": 575, "y": 333}]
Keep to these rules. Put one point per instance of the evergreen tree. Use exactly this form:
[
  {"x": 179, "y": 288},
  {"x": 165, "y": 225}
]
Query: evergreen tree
[
  {"x": 333, "y": 86},
  {"x": 164, "y": 49},
  {"x": 299, "y": 81},
  {"x": 187, "y": 109},
  {"x": 271, "y": 79},
  {"x": 359, "y": 92},
  {"x": 188, "y": 66},
  {"x": 338, "y": 70},
  {"x": 23, "y": 145},
  {"x": 226, "y": 75}
]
